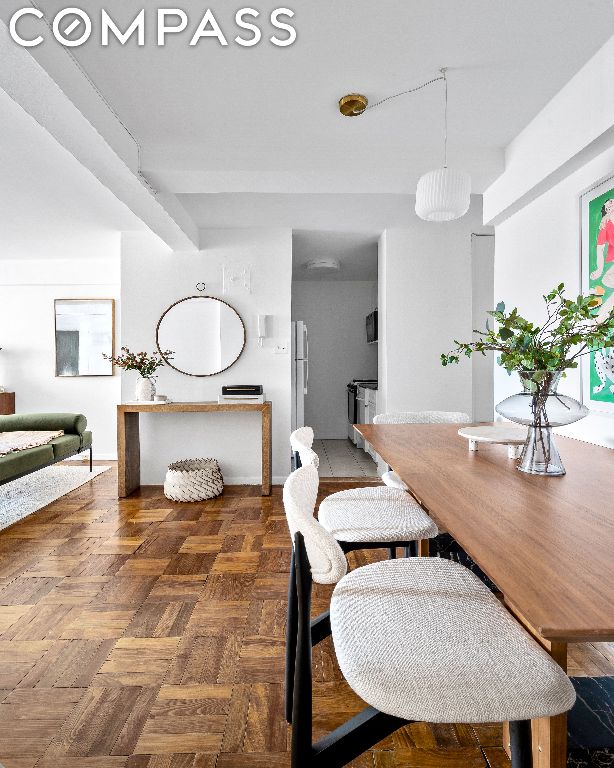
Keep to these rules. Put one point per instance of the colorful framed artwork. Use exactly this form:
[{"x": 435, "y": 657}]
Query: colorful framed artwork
[{"x": 597, "y": 210}]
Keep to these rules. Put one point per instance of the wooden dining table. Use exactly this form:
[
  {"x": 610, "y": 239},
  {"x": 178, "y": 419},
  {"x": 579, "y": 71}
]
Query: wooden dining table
[{"x": 546, "y": 542}]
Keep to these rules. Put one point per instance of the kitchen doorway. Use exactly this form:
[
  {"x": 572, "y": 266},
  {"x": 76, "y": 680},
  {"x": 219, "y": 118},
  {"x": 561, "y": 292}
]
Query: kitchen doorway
[{"x": 334, "y": 345}]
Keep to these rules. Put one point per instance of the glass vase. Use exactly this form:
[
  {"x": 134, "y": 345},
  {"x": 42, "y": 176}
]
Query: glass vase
[{"x": 540, "y": 408}]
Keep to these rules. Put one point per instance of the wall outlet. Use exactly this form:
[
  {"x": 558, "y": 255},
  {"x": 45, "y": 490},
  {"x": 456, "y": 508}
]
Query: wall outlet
[{"x": 280, "y": 349}]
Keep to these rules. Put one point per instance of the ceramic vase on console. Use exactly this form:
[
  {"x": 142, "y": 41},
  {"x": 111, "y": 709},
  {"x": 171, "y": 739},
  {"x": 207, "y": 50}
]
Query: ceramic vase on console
[
  {"x": 540, "y": 408},
  {"x": 145, "y": 389}
]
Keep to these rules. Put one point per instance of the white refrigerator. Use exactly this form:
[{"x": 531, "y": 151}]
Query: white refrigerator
[{"x": 300, "y": 372}]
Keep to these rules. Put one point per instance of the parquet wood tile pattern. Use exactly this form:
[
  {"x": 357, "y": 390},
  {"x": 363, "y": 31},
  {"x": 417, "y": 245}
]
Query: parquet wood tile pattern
[{"x": 145, "y": 634}]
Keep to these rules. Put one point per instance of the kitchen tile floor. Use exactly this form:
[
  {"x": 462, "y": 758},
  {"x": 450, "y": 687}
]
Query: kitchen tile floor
[{"x": 341, "y": 458}]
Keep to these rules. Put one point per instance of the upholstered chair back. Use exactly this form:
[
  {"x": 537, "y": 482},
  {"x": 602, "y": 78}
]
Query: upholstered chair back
[
  {"x": 326, "y": 558},
  {"x": 301, "y": 441},
  {"x": 301, "y": 438},
  {"x": 422, "y": 417},
  {"x": 309, "y": 457}
]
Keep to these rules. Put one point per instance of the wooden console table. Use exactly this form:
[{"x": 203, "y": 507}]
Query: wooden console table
[{"x": 129, "y": 447}]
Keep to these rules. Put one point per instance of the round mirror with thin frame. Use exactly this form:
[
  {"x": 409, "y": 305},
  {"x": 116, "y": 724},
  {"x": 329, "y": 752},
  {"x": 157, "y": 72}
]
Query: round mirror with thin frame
[{"x": 205, "y": 334}]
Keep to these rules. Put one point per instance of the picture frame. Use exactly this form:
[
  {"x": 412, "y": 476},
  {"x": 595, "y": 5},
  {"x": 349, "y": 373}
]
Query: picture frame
[
  {"x": 597, "y": 278},
  {"x": 84, "y": 330}
]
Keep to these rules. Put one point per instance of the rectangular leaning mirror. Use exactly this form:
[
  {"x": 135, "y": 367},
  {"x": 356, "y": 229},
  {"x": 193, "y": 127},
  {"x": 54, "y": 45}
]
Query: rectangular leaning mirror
[{"x": 84, "y": 329}]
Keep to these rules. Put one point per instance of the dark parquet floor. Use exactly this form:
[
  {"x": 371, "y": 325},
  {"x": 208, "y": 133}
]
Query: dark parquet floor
[{"x": 145, "y": 634}]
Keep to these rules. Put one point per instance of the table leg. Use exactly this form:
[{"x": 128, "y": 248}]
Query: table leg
[
  {"x": 128, "y": 454},
  {"x": 266, "y": 448},
  {"x": 550, "y": 742},
  {"x": 549, "y": 733},
  {"x": 423, "y": 548}
]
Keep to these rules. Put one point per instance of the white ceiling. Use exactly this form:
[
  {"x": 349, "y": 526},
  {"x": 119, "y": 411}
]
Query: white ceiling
[
  {"x": 50, "y": 204},
  {"x": 265, "y": 119},
  {"x": 356, "y": 253}
]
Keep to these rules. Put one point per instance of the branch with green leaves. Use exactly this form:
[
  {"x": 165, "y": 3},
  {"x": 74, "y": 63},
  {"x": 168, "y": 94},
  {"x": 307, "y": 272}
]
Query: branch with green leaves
[{"x": 569, "y": 332}]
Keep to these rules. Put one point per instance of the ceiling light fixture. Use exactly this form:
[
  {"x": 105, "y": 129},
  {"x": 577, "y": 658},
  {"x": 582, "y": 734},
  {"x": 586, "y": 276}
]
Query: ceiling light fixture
[
  {"x": 443, "y": 194},
  {"x": 323, "y": 265},
  {"x": 353, "y": 104}
]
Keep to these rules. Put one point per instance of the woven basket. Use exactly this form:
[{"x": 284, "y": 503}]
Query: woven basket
[{"x": 193, "y": 480}]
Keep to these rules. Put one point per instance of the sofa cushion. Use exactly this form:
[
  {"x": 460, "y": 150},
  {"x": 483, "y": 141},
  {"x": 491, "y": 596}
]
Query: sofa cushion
[
  {"x": 70, "y": 423},
  {"x": 25, "y": 461},
  {"x": 86, "y": 440},
  {"x": 67, "y": 445}
]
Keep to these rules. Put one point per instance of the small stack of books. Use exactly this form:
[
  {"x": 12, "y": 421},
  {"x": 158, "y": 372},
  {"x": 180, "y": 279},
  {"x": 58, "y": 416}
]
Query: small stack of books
[{"x": 242, "y": 393}]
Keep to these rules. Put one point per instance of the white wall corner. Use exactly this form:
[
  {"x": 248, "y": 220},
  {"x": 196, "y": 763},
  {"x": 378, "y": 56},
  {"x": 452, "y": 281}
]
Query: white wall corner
[{"x": 573, "y": 128}]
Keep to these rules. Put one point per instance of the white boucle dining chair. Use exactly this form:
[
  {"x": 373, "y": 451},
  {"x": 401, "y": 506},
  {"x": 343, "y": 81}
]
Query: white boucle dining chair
[
  {"x": 370, "y": 517},
  {"x": 361, "y": 518},
  {"x": 300, "y": 440},
  {"x": 390, "y": 478},
  {"x": 418, "y": 639}
]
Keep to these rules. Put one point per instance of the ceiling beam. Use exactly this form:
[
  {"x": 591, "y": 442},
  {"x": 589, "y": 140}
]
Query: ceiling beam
[
  {"x": 30, "y": 86},
  {"x": 574, "y": 127}
]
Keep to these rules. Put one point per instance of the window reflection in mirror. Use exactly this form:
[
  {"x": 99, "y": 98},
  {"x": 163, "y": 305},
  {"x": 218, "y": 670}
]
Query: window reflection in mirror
[
  {"x": 206, "y": 334},
  {"x": 84, "y": 330}
]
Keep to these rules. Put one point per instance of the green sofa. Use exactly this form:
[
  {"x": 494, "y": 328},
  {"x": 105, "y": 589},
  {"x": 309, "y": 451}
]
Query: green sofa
[{"x": 74, "y": 440}]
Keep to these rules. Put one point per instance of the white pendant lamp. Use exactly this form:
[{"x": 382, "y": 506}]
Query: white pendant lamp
[{"x": 444, "y": 194}]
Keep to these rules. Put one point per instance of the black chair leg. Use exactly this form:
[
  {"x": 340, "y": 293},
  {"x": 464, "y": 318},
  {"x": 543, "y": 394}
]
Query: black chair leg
[
  {"x": 302, "y": 714},
  {"x": 291, "y": 634},
  {"x": 520, "y": 744},
  {"x": 392, "y": 553},
  {"x": 411, "y": 550},
  {"x": 91, "y": 460}
]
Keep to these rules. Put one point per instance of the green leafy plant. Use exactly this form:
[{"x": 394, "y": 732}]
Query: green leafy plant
[
  {"x": 571, "y": 330},
  {"x": 142, "y": 362}
]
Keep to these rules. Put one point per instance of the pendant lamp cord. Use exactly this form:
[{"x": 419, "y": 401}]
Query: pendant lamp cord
[
  {"x": 404, "y": 93},
  {"x": 444, "y": 77}
]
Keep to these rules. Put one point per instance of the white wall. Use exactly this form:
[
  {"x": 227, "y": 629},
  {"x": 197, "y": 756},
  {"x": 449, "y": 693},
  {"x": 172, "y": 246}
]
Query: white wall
[
  {"x": 482, "y": 275},
  {"x": 425, "y": 302},
  {"x": 59, "y": 238},
  {"x": 565, "y": 150},
  {"x": 536, "y": 249},
  {"x": 28, "y": 288},
  {"x": 152, "y": 279},
  {"x": 335, "y": 312}
]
